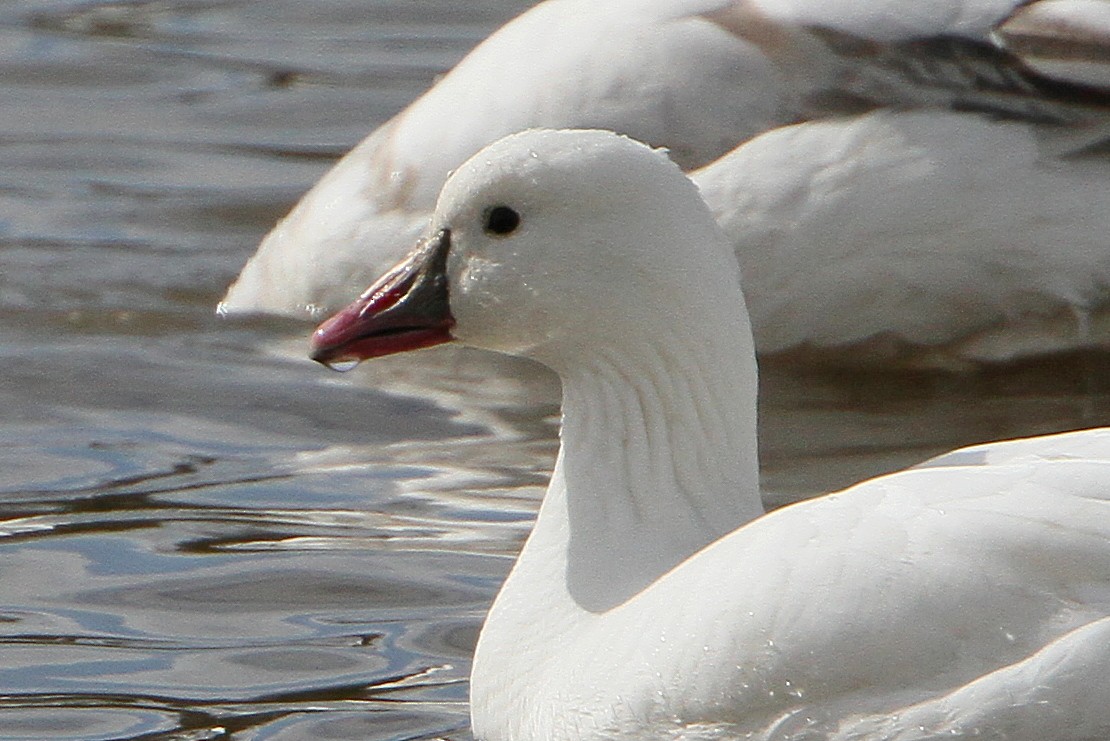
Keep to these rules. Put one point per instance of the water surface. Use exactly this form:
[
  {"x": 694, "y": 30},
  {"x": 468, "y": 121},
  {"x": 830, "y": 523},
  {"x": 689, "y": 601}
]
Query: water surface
[{"x": 204, "y": 536}]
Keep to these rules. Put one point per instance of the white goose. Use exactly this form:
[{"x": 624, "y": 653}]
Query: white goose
[
  {"x": 965, "y": 599},
  {"x": 933, "y": 189}
]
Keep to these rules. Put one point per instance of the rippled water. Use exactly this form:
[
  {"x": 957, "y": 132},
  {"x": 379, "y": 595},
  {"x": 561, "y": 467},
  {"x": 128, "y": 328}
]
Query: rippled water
[{"x": 204, "y": 536}]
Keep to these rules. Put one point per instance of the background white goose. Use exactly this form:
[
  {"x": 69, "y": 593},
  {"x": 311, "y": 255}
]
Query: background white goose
[
  {"x": 967, "y": 598},
  {"x": 933, "y": 189}
]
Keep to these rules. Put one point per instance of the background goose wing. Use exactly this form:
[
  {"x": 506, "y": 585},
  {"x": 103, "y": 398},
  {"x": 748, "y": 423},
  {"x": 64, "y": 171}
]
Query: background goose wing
[{"x": 1045, "y": 61}]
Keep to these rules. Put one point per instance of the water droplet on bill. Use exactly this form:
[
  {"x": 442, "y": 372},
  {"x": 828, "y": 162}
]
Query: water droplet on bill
[{"x": 342, "y": 365}]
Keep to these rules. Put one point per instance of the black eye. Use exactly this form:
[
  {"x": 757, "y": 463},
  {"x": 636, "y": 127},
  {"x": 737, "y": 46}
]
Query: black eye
[{"x": 501, "y": 220}]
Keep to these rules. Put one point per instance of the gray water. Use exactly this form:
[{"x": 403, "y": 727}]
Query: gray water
[{"x": 204, "y": 536}]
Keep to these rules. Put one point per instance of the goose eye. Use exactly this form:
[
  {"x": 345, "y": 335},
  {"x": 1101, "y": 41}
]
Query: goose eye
[{"x": 501, "y": 221}]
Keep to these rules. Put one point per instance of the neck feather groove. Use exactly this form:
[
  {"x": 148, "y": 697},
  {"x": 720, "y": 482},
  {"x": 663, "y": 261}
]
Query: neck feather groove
[{"x": 658, "y": 460}]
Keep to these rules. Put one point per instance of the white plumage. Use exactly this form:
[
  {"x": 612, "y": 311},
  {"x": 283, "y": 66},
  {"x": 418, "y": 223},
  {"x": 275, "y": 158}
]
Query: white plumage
[
  {"x": 931, "y": 190},
  {"x": 967, "y": 598}
]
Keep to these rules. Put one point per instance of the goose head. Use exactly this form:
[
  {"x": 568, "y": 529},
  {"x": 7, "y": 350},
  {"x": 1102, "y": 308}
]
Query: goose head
[
  {"x": 548, "y": 244},
  {"x": 592, "y": 254}
]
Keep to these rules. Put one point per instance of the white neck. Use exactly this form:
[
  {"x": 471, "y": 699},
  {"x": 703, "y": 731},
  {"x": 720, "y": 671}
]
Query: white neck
[{"x": 658, "y": 460}]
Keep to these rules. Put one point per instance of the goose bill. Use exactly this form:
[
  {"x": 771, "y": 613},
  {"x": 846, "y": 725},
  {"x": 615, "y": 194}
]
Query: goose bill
[{"x": 406, "y": 309}]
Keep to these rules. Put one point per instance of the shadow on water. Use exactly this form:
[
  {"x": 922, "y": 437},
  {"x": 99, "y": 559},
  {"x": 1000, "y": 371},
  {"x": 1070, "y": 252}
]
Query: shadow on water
[{"x": 202, "y": 535}]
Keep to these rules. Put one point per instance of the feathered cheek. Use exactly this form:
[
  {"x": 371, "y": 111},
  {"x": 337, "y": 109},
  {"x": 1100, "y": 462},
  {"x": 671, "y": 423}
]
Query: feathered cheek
[{"x": 484, "y": 282}]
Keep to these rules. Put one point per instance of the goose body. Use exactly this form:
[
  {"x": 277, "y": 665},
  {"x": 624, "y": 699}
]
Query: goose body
[
  {"x": 939, "y": 182},
  {"x": 966, "y": 598}
]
